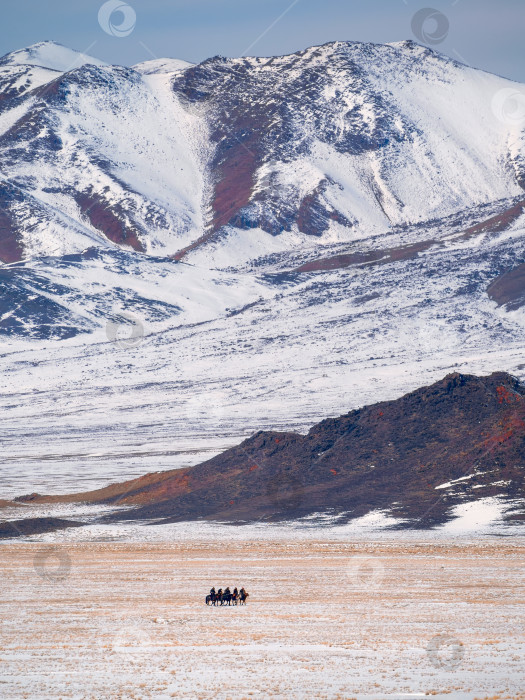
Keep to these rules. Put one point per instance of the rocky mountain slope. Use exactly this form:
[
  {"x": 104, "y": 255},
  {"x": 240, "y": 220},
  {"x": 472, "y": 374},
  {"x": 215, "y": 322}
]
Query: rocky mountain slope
[
  {"x": 193, "y": 253},
  {"x": 414, "y": 459},
  {"x": 335, "y": 142}
]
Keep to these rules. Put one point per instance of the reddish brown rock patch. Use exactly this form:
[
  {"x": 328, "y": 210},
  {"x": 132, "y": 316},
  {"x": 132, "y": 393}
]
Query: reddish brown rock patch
[
  {"x": 509, "y": 288},
  {"x": 11, "y": 249},
  {"x": 372, "y": 257},
  {"x": 235, "y": 179},
  {"x": 498, "y": 223},
  {"x": 109, "y": 219}
]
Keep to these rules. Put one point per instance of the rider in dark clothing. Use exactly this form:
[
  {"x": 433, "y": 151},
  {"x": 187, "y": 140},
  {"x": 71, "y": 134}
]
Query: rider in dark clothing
[{"x": 212, "y": 592}]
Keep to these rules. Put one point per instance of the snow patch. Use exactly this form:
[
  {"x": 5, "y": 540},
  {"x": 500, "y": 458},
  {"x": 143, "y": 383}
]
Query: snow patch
[{"x": 476, "y": 516}]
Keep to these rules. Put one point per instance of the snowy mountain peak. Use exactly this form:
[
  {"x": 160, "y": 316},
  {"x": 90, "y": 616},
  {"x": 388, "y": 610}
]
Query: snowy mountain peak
[
  {"x": 365, "y": 52},
  {"x": 331, "y": 144},
  {"x": 161, "y": 65},
  {"x": 50, "y": 55}
]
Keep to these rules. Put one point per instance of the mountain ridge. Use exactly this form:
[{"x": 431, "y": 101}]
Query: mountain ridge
[
  {"x": 274, "y": 144},
  {"x": 415, "y": 458}
]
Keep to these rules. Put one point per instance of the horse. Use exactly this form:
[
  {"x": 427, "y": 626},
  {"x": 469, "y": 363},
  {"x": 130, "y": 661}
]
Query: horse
[
  {"x": 227, "y": 598},
  {"x": 218, "y": 598},
  {"x": 221, "y": 598}
]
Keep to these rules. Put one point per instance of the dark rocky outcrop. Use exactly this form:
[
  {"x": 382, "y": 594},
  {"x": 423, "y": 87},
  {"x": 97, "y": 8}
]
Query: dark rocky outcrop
[
  {"x": 391, "y": 455},
  {"x": 33, "y": 526}
]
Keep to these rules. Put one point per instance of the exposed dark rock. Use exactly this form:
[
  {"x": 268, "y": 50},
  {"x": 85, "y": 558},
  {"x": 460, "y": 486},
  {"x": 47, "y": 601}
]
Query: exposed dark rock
[
  {"x": 391, "y": 455},
  {"x": 110, "y": 219},
  {"x": 11, "y": 248},
  {"x": 500, "y": 222},
  {"x": 34, "y": 526},
  {"x": 377, "y": 257}
]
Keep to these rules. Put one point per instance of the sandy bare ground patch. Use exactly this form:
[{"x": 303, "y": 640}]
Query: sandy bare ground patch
[{"x": 325, "y": 620}]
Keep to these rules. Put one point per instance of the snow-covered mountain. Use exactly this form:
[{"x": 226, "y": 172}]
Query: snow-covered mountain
[
  {"x": 95, "y": 155},
  {"x": 284, "y": 238},
  {"x": 335, "y": 142}
]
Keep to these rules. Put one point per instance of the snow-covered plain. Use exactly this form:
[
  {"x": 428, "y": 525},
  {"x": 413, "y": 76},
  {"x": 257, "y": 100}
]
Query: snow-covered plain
[{"x": 325, "y": 618}]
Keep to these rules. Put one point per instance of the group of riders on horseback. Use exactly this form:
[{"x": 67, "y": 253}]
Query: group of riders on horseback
[{"x": 226, "y": 597}]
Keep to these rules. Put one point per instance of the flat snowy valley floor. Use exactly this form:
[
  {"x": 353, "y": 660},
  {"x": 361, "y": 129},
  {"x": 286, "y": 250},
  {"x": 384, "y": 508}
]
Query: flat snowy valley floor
[{"x": 408, "y": 615}]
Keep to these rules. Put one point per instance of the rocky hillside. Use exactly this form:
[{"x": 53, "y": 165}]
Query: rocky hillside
[{"x": 414, "y": 459}]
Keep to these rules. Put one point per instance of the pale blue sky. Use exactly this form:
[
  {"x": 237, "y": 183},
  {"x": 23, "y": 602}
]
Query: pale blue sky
[{"x": 486, "y": 34}]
